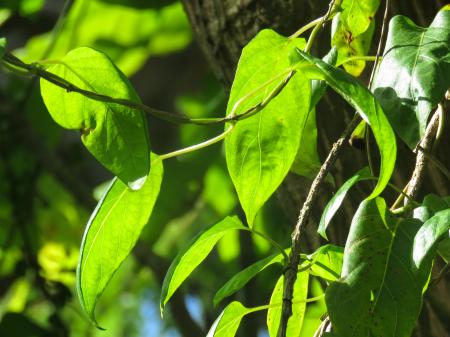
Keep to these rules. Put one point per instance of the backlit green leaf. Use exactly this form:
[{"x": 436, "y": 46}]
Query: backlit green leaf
[
  {"x": 367, "y": 107},
  {"x": 114, "y": 134},
  {"x": 112, "y": 232},
  {"x": 380, "y": 291},
  {"x": 228, "y": 322},
  {"x": 414, "y": 73},
  {"x": 327, "y": 262},
  {"x": 187, "y": 260},
  {"x": 336, "y": 201},
  {"x": 261, "y": 149}
]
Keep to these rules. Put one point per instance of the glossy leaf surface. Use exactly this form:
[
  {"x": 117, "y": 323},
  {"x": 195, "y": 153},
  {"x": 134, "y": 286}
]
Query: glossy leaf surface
[
  {"x": 111, "y": 234},
  {"x": 367, "y": 107},
  {"x": 261, "y": 149},
  {"x": 187, "y": 260},
  {"x": 228, "y": 322},
  {"x": 116, "y": 135},
  {"x": 414, "y": 73}
]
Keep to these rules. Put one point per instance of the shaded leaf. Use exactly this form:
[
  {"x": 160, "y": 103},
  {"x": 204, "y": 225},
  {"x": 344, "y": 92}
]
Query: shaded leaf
[
  {"x": 243, "y": 277},
  {"x": 298, "y": 306},
  {"x": 112, "y": 232},
  {"x": 380, "y": 291},
  {"x": 228, "y": 322},
  {"x": 261, "y": 149},
  {"x": 116, "y": 135},
  {"x": 336, "y": 201},
  {"x": 427, "y": 238},
  {"x": 367, "y": 107},
  {"x": 414, "y": 73},
  {"x": 188, "y": 259}
]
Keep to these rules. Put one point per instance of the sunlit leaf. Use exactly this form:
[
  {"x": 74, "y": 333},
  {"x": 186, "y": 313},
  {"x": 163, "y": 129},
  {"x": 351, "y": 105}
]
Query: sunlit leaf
[
  {"x": 327, "y": 262},
  {"x": 194, "y": 254},
  {"x": 298, "y": 306},
  {"x": 414, "y": 73},
  {"x": 336, "y": 201},
  {"x": 228, "y": 322},
  {"x": 243, "y": 277},
  {"x": 111, "y": 234},
  {"x": 116, "y": 135},
  {"x": 261, "y": 149},
  {"x": 367, "y": 107}
]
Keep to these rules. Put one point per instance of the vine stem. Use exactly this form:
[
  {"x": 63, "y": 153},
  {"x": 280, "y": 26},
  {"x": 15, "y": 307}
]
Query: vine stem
[
  {"x": 271, "y": 241},
  {"x": 306, "y": 27},
  {"x": 329, "y": 14}
]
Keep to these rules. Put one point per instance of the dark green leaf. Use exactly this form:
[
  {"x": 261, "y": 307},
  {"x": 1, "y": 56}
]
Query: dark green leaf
[
  {"x": 428, "y": 236},
  {"x": 187, "y": 260},
  {"x": 431, "y": 205},
  {"x": 380, "y": 291},
  {"x": 228, "y": 322},
  {"x": 367, "y": 106},
  {"x": 336, "y": 201},
  {"x": 114, "y": 134},
  {"x": 414, "y": 73},
  {"x": 111, "y": 234},
  {"x": 243, "y": 277},
  {"x": 261, "y": 149},
  {"x": 298, "y": 306}
]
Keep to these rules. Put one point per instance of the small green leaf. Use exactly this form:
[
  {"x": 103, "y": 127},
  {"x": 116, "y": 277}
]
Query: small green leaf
[
  {"x": 188, "y": 259},
  {"x": 243, "y": 277},
  {"x": 2, "y": 46},
  {"x": 228, "y": 321},
  {"x": 414, "y": 74},
  {"x": 429, "y": 235},
  {"x": 336, "y": 201},
  {"x": 431, "y": 204},
  {"x": 367, "y": 106},
  {"x": 327, "y": 262},
  {"x": 112, "y": 232},
  {"x": 114, "y": 134},
  {"x": 261, "y": 149},
  {"x": 298, "y": 306}
]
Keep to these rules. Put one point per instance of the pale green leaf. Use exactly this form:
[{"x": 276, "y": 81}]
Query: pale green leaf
[
  {"x": 228, "y": 321},
  {"x": 194, "y": 254},
  {"x": 116, "y": 135},
  {"x": 327, "y": 262},
  {"x": 261, "y": 149},
  {"x": 112, "y": 232}
]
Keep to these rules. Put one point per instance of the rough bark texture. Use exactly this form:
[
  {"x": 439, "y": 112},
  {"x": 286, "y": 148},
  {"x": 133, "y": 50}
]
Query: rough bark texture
[{"x": 223, "y": 27}]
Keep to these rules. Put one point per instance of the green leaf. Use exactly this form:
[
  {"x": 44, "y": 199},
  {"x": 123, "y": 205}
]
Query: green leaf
[
  {"x": 188, "y": 259},
  {"x": 114, "y": 134},
  {"x": 298, "y": 306},
  {"x": 380, "y": 291},
  {"x": 431, "y": 204},
  {"x": 367, "y": 106},
  {"x": 414, "y": 74},
  {"x": 336, "y": 201},
  {"x": 243, "y": 277},
  {"x": 352, "y": 32},
  {"x": 327, "y": 262},
  {"x": 2, "y": 46},
  {"x": 112, "y": 232},
  {"x": 429, "y": 235},
  {"x": 261, "y": 149},
  {"x": 228, "y": 322}
]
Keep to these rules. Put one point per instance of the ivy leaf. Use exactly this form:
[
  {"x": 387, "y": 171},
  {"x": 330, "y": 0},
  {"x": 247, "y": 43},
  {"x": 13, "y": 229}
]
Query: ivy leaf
[
  {"x": 188, "y": 259},
  {"x": 327, "y": 262},
  {"x": 295, "y": 322},
  {"x": 261, "y": 149},
  {"x": 336, "y": 201},
  {"x": 112, "y": 232},
  {"x": 2, "y": 46},
  {"x": 352, "y": 32},
  {"x": 367, "y": 106},
  {"x": 116, "y": 135},
  {"x": 429, "y": 235},
  {"x": 380, "y": 291},
  {"x": 414, "y": 73},
  {"x": 243, "y": 277},
  {"x": 228, "y": 322}
]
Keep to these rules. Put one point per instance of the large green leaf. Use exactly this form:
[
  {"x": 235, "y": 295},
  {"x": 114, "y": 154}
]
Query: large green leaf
[
  {"x": 414, "y": 73},
  {"x": 298, "y": 306},
  {"x": 243, "y": 277},
  {"x": 336, "y": 201},
  {"x": 228, "y": 321},
  {"x": 380, "y": 291},
  {"x": 188, "y": 259},
  {"x": 352, "y": 31},
  {"x": 261, "y": 149},
  {"x": 367, "y": 106},
  {"x": 116, "y": 135},
  {"x": 429, "y": 235},
  {"x": 112, "y": 232}
]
